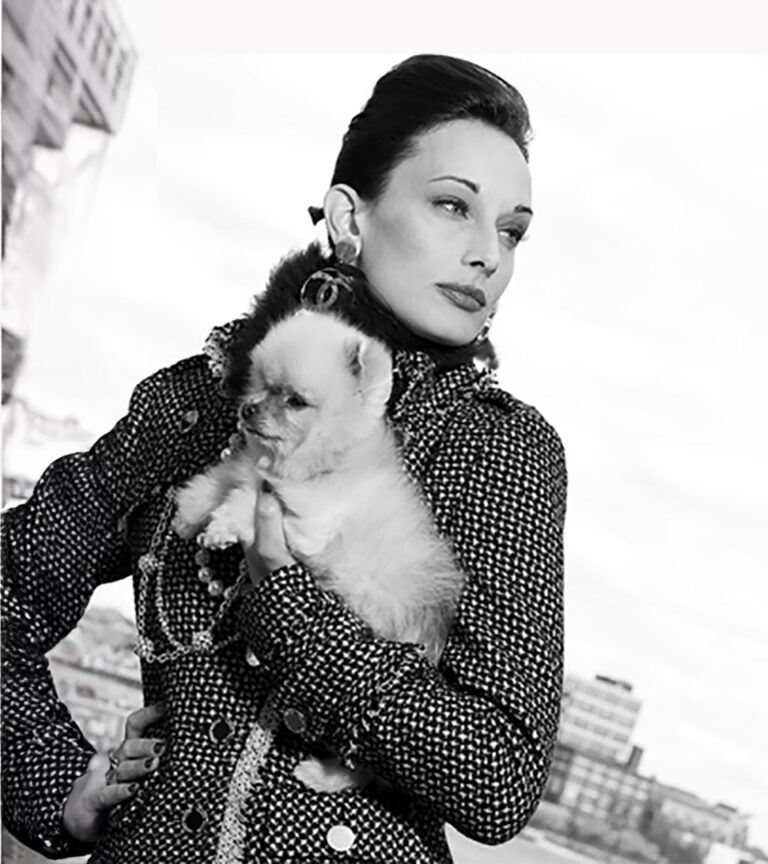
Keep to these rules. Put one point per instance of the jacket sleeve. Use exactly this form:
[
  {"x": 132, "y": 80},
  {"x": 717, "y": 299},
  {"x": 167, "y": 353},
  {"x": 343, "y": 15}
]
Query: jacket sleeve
[
  {"x": 56, "y": 548},
  {"x": 473, "y": 739}
]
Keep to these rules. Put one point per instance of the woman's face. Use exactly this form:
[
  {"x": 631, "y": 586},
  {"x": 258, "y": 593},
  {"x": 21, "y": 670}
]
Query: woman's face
[{"x": 438, "y": 245}]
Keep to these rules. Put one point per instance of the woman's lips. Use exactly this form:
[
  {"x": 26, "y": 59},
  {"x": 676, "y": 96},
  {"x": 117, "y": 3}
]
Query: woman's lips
[{"x": 466, "y": 297}]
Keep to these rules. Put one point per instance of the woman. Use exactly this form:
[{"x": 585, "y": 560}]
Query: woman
[{"x": 428, "y": 201}]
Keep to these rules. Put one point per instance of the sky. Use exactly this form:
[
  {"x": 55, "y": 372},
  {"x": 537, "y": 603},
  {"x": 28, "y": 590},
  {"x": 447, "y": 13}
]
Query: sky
[{"x": 635, "y": 322}]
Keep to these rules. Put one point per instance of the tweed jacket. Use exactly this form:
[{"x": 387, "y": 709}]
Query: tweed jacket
[{"x": 254, "y": 681}]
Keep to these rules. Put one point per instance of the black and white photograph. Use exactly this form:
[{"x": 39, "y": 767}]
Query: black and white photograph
[{"x": 383, "y": 447}]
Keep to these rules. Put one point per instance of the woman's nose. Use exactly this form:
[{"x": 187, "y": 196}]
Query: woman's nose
[{"x": 483, "y": 249}]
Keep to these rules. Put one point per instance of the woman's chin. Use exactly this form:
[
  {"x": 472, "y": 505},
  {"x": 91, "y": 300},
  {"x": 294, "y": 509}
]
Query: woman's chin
[{"x": 450, "y": 334}]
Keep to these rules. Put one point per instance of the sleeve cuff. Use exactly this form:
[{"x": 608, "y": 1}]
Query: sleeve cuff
[
  {"x": 331, "y": 674},
  {"x": 47, "y": 835}
]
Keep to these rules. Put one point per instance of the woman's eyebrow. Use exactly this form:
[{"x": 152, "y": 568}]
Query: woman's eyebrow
[
  {"x": 475, "y": 187},
  {"x": 470, "y": 184}
]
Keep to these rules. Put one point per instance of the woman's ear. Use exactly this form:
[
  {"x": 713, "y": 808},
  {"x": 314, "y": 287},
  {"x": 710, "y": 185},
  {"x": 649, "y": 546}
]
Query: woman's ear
[{"x": 341, "y": 206}]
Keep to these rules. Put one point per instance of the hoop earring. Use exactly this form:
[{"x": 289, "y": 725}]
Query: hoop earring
[
  {"x": 346, "y": 252},
  {"x": 323, "y": 289}
]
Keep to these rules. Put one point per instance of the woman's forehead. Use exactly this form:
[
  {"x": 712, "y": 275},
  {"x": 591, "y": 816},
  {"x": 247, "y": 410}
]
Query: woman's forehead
[{"x": 472, "y": 151}]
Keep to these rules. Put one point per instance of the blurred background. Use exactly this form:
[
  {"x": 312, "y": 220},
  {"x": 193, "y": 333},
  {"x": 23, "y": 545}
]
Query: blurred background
[{"x": 146, "y": 195}]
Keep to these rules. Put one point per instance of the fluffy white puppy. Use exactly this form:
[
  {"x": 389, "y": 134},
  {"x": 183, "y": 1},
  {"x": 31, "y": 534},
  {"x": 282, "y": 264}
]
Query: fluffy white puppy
[{"x": 315, "y": 428}]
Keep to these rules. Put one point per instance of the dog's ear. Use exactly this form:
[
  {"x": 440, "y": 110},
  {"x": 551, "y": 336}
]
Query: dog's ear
[{"x": 370, "y": 363}]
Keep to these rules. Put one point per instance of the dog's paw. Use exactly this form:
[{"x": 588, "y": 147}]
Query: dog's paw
[
  {"x": 325, "y": 776},
  {"x": 219, "y": 535},
  {"x": 185, "y": 529}
]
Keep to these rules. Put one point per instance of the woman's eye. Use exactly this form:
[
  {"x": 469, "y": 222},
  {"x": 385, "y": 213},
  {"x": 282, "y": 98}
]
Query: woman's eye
[
  {"x": 513, "y": 236},
  {"x": 453, "y": 205}
]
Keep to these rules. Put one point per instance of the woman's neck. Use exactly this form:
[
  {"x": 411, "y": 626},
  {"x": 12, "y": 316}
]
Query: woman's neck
[{"x": 359, "y": 306}]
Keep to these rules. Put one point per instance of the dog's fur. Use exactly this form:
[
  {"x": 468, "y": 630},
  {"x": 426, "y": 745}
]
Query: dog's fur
[{"x": 313, "y": 415}]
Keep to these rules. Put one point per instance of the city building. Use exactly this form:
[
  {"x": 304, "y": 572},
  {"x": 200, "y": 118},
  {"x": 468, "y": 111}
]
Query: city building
[
  {"x": 692, "y": 820},
  {"x": 31, "y": 442},
  {"x": 598, "y": 716},
  {"x": 597, "y": 786},
  {"x": 97, "y": 675},
  {"x": 64, "y": 62}
]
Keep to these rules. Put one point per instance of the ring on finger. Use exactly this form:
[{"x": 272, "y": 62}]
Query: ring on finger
[{"x": 111, "y": 773}]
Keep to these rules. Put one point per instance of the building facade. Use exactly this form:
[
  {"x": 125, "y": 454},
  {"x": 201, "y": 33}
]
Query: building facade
[
  {"x": 64, "y": 62},
  {"x": 97, "y": 675},
  {"x": 599, "y": 787},
  {"x": 693, "y": 820},
  {"x": 598, "y": 717}
]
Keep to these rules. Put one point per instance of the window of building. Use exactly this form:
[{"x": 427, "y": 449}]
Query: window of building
[
  {"x": 62, "y": 76},
  {"x": 122, "y": 62},
  {"x": 98, "y": 43},
  {"x": 109, "y": 46},
  {"x": 570, "y": 794},
  {"x": 85, "y": 690},
  {"x": 87, "y": 18}
]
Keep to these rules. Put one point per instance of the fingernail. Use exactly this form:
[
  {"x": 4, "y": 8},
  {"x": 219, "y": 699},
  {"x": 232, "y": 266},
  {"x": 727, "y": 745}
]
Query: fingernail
[
  {"x": 149, "y": 763},
  {"x": 158, "y": 748},
  {"x": 161, "y": 706},
  {"x": 134, "y": 787}
]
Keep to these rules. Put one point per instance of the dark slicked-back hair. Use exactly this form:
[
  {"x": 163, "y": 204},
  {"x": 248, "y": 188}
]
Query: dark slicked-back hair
[{"x": 414, "y": 97}]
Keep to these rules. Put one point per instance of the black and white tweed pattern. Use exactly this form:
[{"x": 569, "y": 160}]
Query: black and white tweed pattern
[{"x": 468, "y": 743}]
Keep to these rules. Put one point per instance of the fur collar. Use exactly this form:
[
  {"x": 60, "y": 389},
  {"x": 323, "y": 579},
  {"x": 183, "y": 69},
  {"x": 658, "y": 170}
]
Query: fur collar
[{"x": 360, "y": 308}]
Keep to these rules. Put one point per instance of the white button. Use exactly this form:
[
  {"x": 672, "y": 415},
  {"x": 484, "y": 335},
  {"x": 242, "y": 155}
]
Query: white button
[
  {"x": 341, "y": 838},
  {"x": 251, "y": 659},
  {"x": 189, "y": 420}
]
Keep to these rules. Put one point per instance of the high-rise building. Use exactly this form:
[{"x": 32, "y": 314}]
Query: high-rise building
[
  {"x": 64, "y": 62},
  {"x": 598, "y": 717}
]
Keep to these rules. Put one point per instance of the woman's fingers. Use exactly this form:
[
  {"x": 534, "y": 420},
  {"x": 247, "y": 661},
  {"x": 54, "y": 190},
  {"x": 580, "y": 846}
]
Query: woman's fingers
[
  {"x": 128, "y": 770},
  {"x": 139, "y": 720},
  {"x": 90, "y": 800},
  {"x": 140, "y": 748},
  {"x": 114, "y": 793}
]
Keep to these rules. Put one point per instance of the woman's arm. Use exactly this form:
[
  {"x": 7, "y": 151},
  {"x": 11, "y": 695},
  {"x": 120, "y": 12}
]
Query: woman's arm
[
  {"x": 56, "y": 548},
  {"x": 472, "y": 740}
]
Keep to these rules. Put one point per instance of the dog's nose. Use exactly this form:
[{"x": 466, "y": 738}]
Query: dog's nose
[{"x": 249, "y": 410}]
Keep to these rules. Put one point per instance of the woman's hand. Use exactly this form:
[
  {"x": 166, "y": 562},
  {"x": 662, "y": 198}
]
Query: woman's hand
[
  {"x": 270, "y": 551},
  {"x": 105, "y": 784}
]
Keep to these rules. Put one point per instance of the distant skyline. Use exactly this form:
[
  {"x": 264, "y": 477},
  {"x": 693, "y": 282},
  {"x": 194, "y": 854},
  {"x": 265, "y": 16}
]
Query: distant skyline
[{"x": 634, "y": 322}]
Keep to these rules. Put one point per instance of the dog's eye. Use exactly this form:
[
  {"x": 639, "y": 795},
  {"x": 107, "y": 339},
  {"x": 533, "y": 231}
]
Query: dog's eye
[{"x": 296, "y": 401}]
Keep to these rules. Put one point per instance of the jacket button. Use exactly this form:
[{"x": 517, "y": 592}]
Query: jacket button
[
  {"x": 295, "y": 721},
  {"x": 189, "y": 420},
  {"x": 194, "y": 819},
  {"x": 219, "y": 731},
  {"x": 341, "y": 838},
  {"x": 251, "y": 659}
]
